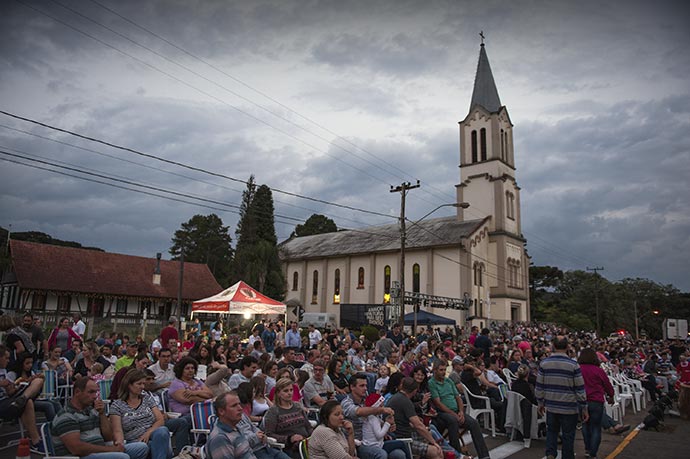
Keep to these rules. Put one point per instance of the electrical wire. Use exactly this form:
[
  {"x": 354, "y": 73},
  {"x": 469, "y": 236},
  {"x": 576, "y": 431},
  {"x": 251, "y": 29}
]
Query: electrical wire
[
  {"x": 169, "y": 172},
  {"x": 187, "y": 166}
]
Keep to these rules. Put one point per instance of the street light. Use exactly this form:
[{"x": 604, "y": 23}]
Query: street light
[
  {"x": 403, "y": 237},
  {"x": 637, "y": 319}
]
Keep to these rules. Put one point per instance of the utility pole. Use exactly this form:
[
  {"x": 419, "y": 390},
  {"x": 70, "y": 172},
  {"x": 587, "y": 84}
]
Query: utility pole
[
  {"x": 596, "y": 270},
  {"x": 403, "y": 189}
]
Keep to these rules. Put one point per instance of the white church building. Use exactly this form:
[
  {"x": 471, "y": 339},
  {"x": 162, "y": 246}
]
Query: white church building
[{"x": 483, "y": 258}]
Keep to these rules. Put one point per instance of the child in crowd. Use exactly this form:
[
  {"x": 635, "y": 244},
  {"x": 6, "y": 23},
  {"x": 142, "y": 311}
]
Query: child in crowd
[
  {"x": 95, "y": 373},
  {"x": 382, "y": 380}
]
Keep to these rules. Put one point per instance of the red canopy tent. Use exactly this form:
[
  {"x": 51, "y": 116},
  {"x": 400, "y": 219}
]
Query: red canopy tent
[{"x": 239, "y": 299}]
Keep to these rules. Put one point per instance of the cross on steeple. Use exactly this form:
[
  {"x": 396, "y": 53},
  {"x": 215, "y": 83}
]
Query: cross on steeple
[{"x": 481, "y": 34}]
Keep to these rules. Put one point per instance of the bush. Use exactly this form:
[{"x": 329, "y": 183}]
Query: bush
[{"x": 370, "y": 332}]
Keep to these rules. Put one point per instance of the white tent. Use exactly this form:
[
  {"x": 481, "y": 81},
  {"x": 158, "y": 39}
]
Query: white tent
[{"x": 239, "y": 299}]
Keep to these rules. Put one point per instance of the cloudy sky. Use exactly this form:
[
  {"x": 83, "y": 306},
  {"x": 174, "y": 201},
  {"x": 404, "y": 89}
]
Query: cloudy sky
[{"x": 338, "y": 100}]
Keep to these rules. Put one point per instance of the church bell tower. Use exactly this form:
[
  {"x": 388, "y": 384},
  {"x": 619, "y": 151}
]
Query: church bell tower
[{"x": 487, "y": 173}]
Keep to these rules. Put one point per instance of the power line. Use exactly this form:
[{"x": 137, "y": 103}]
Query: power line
[
  {"x": 388, "y": 164},
  {"x": 201, "y": 91},
  {"x": 187, "y": 166},
  {"x": 167, "y": 171}
]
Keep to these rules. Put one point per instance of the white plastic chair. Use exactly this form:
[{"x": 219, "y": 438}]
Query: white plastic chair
[
  {"x": 637, "y": 390},
  {"x": 619, "y": 397},
  {"x": 490, "y": 420},
  {"x": 510, "y": 376},
  {"x": 516, "y": 398}
]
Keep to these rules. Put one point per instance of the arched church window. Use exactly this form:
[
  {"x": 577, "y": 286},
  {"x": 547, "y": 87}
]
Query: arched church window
[
  {"x": 474, "y": 146},
  {"x": 295, "y": 280},
  {"x": 336, "y": 287},
  {"x": 481, "y": 274},
  {"x": 474, "y": 274},
  {"x": 415, "y": 277},
  {"x": 482, "y": 139},
  {"x": 360, "y": 277},
  {"x": 387, "y": 284},
  {"x": 315, "y": 288}
]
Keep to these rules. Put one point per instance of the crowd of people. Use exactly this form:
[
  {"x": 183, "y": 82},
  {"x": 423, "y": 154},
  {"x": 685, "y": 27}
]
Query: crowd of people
[{"x": 351, "y": 396}]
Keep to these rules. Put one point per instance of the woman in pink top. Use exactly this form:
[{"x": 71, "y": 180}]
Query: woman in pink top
[{"x": 597, "y": 386}]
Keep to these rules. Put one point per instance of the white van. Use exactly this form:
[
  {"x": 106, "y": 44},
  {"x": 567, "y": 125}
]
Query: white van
[{"x": 320, "y": 320}]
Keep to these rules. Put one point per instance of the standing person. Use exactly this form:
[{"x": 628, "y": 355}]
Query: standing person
[
  {"x": 135, "y": 417},
  {"x": 597, "y": 386},
  {"x": 292, "y": 337},
  {"x": 484, "y": 343},
  {"x": 268, "y": 336},
  {"x": 27, "y": 338},
  {"x": 82, "y": 428},
  {"x": 170, "y": 332},
  {"x": 385, "y": 347},
  {"x": 328, "y": 440},
  {"x": 79, "y": 327},
  {"x": 474, "y": 331},
  {"x": 408, "y": 424},
  {"x": 356, "y": 411},
  {"x": 560, "y": 392},
  {"x": 314, "y": 336},
  {"x": 61, "y": 336},
  {"x": 396, "y": 335},
  {"x": 226, "y": 440}
]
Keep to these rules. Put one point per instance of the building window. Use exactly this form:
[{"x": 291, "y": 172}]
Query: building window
[
  {"x": 360, "y": 278},
  {"x": 482, "y": 139},
  {"x": 515, "y": 312},
  {"x": 474, "y": 146},
  {"x": 502, "y": 146},
  {"x": 474, "y": 274},
  {"x": 387, "y": 284},
  {"x": 315, "y": 288},
  {"x": 510, "y": 205},
  {"x": 96, "y": 306},
  {"x": 145, "y": 305},
  {"x": 121, "y": 306},
  {"x": 38, "y": 301},
  {"x": 336, "y": 287},
  {"x": 480, "y": 273},
  {"x": 416, "y": 277},
  {"x": 64, "y": 302},
  {"x": 295, "y": 281}
]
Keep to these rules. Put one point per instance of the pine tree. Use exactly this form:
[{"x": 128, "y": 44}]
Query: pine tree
[{"x": 256, "y": 256}]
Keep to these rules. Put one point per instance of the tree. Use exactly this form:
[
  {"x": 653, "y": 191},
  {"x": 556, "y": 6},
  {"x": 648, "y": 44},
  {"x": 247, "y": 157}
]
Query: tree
[
  {"x": 256, "y": 258},
  {"x": 204, "y": 239},
  {"x": 316, "y": 224}
]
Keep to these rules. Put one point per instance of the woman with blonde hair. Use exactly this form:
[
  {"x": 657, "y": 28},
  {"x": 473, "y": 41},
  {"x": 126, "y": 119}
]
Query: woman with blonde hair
[{"x": 286, "y": 421}]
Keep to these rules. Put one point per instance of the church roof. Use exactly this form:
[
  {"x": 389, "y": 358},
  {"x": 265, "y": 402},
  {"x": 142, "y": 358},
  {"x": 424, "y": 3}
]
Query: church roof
[
  {"x": 436, "y": 232},
  {"x": 55, "y": 268},
  {"x": 485, "y": 92}
]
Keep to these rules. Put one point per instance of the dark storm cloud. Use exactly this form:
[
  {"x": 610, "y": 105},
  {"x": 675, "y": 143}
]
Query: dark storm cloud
[
  {"x": 616, "y": 187},
  {"x": 598, "y": 94}
]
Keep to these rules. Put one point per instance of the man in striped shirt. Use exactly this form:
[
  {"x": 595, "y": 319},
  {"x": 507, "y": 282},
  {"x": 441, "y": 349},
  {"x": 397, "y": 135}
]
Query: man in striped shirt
[
  {"x": 226, "y": 440},
  {"x": 560, "y": 391}
]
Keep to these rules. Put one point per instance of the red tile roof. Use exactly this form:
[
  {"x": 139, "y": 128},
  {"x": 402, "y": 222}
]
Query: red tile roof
[{"x": 55, "y": 268}]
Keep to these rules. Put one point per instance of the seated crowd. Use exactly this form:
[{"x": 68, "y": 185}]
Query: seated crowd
[{"x": 349, "y": 396}]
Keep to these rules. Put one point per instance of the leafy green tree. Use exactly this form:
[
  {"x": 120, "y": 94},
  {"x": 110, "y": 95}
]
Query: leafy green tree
[
  {"x": 316, "y": 224},
  {"x": 204, "y": 239}
]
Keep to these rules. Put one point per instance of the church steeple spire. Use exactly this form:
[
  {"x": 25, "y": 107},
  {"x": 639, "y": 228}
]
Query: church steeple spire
[{"x": 485, "y": 92}]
